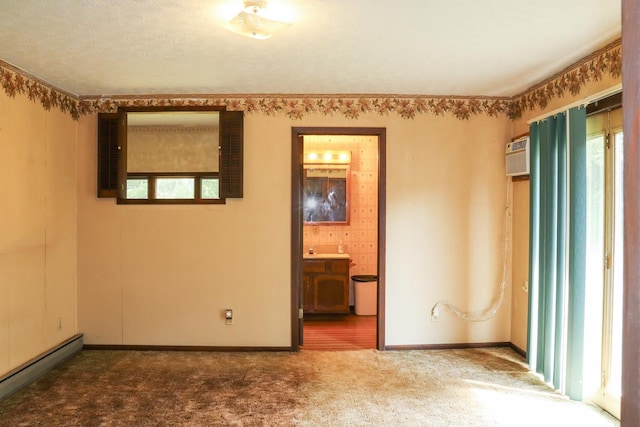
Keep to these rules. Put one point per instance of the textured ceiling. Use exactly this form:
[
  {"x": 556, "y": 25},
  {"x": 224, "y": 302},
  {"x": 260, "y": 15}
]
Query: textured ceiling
[{"x": 412, "y": 47}]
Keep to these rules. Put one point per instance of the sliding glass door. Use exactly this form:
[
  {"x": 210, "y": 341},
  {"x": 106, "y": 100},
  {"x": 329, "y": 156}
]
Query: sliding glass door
[{"x": 603, "y": 298}]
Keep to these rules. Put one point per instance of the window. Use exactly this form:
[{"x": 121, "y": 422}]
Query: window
[{"x": 170, "y": 156}]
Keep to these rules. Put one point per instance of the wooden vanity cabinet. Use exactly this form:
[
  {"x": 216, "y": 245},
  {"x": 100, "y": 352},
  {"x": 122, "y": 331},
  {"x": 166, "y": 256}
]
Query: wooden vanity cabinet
[{"x": 326, "y": 286}]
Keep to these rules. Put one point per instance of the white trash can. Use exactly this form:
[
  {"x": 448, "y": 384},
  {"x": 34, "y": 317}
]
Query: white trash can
[{"x": 366, "y": 294}]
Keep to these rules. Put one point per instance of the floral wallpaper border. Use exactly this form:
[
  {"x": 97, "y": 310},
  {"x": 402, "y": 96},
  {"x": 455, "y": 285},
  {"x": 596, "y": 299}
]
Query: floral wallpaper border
[
  {"x": 572, "y": 79},
  {"x": 297, "y": 106},
  {"x": 15, "y": 81},
  {"x": 607, "y": 60}
]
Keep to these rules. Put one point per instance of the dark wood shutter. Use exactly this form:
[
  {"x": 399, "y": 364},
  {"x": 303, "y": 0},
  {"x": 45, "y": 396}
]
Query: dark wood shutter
[
  {"x": 107, "y": 154},
  {"x": 231, "y": 154}
]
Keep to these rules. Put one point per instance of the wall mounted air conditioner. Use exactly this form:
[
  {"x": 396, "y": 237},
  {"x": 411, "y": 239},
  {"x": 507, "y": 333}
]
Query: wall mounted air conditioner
[{"x": 517, "y": 157}]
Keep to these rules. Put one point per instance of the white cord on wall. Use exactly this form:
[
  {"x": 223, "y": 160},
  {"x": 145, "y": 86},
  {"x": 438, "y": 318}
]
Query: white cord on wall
[{"x": 491, "y": 311}]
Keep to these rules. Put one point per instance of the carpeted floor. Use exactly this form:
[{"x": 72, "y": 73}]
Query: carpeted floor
[{"x": 476, "y": 387}]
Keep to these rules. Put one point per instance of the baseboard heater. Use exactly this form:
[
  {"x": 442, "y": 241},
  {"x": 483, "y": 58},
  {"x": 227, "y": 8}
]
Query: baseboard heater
[{"x": 35, "y": 368}]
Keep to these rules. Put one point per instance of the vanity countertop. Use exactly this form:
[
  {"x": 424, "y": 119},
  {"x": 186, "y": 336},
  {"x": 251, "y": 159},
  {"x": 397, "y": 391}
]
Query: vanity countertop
[{"x": 325, "y": 256}]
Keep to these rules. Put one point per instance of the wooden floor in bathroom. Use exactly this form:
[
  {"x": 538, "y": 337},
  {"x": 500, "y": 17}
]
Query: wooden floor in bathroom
[{"x": 340, "y": 333}]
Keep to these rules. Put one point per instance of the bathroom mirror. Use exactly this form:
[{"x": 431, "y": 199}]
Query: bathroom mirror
[{"x": 326, "y": 194}]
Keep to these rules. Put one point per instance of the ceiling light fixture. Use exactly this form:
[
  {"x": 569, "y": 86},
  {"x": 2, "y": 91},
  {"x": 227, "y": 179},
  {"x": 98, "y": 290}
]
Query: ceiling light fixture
[{"x": 257, "y": 21}]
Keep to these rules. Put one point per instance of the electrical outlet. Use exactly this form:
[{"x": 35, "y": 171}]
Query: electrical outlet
[
  {"x": 228, "y": 317},
  {"x": 435, "y": 314}
]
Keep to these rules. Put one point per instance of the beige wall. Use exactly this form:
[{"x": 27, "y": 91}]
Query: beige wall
[
  {"x": 520, "y": 263},
  {"x": 445, "y": 211},
  {"x": 38, "y": 230},
  {"x": 163, "y": 274}
]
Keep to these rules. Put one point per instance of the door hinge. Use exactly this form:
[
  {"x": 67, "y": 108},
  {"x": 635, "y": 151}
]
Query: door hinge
[
  {"x": 608, "y": 140},
  {"x": 606, "y": 262},
  {"x": 300, "y": 313},
  {"x": 603, "y": 379}
]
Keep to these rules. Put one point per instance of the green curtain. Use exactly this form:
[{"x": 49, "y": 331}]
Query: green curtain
[{"x": 557, "y": 250}]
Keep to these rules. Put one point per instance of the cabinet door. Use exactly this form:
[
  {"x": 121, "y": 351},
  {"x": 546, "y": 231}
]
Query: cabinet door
[{"x": 331, "y": 293}]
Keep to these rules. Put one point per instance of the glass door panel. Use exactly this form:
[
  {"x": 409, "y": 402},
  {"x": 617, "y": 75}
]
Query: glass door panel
[
  {"x": 595, "y": 252},
  {"x": 612, "y": 327},
  {"x": 604, "y": 259}
]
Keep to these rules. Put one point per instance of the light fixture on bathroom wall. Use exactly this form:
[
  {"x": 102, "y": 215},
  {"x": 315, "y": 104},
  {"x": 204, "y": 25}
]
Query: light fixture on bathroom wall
[
  {"x": 327, "y": 157},
  {"x": 258, "y": 20}
]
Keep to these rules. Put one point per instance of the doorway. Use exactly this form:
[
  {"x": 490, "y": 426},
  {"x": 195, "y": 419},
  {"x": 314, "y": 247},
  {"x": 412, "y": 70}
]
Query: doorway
[
  {"x": 604, "y": 253},
  {"x": 375, "y": 255}
]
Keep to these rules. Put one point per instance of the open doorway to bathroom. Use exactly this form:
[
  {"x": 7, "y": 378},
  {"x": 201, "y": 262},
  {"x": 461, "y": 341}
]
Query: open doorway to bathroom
[{"x": 327, "y": 251}]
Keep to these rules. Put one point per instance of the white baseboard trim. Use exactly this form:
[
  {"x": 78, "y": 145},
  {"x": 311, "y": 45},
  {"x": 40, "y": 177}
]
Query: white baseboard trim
[{"x": 35, "y": 368}]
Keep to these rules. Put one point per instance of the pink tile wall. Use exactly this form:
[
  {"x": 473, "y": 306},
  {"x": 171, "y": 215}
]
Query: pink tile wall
[{"x": 360, "y": 237}]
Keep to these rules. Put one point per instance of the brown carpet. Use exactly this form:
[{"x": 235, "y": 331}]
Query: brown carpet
[{"x": 478, "y": 387}]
